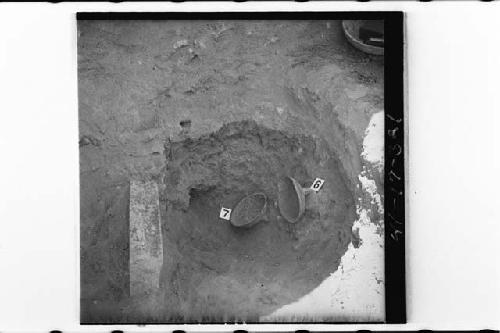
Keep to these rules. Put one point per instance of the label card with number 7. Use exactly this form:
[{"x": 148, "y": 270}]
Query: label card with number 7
[
  {"x": 317, "y": 184},
  {"x": 225, "y": 213}
]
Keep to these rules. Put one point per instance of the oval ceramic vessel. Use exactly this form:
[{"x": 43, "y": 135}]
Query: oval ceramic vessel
[
  {"x": 291, "y": 199},
  {"x": 250, "y": 210}
]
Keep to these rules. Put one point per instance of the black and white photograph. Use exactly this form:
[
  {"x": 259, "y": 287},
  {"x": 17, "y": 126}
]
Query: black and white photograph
[
  {"x": 231, "y": 170},
  {"x": 271, "y": 166}
]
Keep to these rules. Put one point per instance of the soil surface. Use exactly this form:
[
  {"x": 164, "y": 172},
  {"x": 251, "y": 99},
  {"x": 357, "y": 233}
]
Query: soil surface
[{"x": 214, "y": 111}]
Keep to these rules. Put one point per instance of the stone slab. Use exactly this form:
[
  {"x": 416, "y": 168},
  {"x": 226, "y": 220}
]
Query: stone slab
[{"x": 146, "y": 247}]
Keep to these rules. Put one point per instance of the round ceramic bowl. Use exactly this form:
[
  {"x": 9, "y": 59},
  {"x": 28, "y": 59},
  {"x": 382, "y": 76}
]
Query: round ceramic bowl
[{"x": 351, "y": 31}]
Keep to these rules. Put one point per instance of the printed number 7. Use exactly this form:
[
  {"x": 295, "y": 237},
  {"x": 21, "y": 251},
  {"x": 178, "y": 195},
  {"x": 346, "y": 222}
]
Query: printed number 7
[{"x": 225, "y": 213}]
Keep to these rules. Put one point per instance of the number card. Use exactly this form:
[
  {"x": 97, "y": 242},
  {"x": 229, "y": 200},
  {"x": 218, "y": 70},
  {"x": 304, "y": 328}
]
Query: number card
[
  {"x": 225, "y": 213},
  {"x": 317, "y": 184}
]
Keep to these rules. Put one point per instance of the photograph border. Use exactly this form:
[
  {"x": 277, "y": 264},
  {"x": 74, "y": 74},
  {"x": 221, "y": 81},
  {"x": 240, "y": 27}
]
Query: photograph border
[{"x": 394, "y": 135}]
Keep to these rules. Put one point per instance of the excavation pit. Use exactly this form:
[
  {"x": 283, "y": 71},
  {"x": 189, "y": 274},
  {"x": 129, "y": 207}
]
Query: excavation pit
[{"x": 212, "y": 268}]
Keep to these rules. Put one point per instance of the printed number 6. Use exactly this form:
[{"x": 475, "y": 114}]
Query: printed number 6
[{"x": 316, "y": 186}]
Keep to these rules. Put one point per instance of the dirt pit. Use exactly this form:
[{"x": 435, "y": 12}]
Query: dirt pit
[{"x": 214, "y": 271}]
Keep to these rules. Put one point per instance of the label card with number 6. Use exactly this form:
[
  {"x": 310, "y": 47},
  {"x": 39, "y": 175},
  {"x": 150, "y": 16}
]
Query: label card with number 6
[
  {"x": 316, "y": 185},
  {"x": 225, "y": 213}
]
